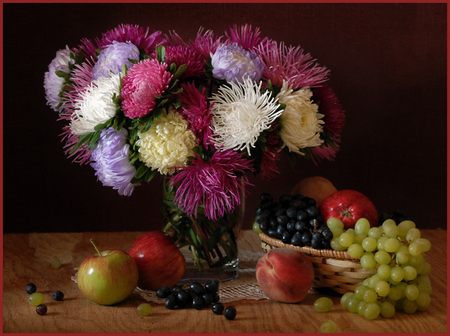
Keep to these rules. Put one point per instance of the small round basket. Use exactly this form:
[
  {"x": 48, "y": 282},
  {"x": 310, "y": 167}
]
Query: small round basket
[{"x": 333, "y": 269}]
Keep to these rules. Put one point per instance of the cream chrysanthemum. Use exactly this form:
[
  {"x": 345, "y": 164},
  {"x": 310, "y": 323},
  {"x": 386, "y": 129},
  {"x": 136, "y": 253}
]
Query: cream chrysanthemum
[
  {"x": 167, "y": 143},
  {"x": 240, "y": 113},
  {"x": 301, "y": 122},
  {"x": 95, "y": 105}
]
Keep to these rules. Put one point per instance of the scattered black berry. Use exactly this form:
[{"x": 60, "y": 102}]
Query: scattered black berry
[
  {"x": 31, "y": 288},
  {"x": 41, "y": 309},
  {"x": 58, "y": 296},
  {"x": 217, "y": 308},
  {"x": 230, "y": 313}
]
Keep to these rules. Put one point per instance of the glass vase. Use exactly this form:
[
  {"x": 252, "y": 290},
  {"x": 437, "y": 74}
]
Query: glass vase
[{"x": 209, "y": 246}]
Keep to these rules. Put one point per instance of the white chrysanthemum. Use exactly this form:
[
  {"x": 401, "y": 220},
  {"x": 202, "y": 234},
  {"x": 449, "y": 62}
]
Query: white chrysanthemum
[
  {"x": 95, "y": 105},
  {"x": 167, "y": 143},
  {"x": 240, "y": 113},
  {"x": 302, "y": 123}
]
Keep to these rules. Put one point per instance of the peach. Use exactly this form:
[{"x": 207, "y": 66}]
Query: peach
[
  {"x": 316, "y": 187},
  {"x": 285, "y": 275}
]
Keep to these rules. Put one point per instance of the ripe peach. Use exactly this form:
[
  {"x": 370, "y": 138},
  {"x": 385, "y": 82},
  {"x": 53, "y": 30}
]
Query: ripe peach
[
  {"x": 316, "y": 187},
  {"x": 285, "y": 275}
]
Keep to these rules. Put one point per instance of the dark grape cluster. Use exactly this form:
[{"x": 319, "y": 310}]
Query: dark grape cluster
[
  {"x": 294, "y": 219},
  {"x": 398, "y": 215}
]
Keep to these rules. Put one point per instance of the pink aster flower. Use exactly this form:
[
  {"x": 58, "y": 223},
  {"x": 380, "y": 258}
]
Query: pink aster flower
[
  {"x": 143, "y": 82},
  {"x": 334, "y": 118},
  {"x": 215, "y": 184},
  {"x": 135, "y": 34},
  {"x": 291, "y": 65},
  {"x": 180, "y": 55},
  {"x": 244, "y": 36},
  {"x": 195, "y": 110}
]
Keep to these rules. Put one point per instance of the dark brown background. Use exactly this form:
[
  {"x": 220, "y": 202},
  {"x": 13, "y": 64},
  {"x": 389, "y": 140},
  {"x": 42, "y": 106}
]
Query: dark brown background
[{"x": 388, "y": 67}]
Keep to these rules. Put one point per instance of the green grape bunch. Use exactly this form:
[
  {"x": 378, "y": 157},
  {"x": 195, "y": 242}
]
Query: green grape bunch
[{"x": 396, "y": 251}]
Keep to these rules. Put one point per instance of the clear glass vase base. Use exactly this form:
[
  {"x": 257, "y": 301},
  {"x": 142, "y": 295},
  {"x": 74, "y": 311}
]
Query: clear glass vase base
[{"x": 227, "y": 272}]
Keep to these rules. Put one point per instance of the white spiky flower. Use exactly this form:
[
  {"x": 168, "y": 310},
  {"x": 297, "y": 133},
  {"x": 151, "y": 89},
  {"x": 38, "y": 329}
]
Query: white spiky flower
[
  {"x": 240, "y": 113},
  {"x": 301, "y": 122},
  {"x": 95, "y": 105}
]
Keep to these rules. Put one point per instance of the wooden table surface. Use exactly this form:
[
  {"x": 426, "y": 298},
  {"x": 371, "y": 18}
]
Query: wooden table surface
[{"x": 27, "y": 258}]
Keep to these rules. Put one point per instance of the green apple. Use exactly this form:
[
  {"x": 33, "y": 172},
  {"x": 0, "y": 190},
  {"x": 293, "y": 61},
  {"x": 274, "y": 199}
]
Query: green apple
[{"x": 108, "y": 277}]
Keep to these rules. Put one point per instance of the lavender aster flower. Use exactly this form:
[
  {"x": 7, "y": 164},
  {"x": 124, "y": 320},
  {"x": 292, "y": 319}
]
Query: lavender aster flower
[
  {"x": 233, "y": 64},
  {"x": 52, "y": 82},
  {"x": 114, "y": 57},
  {"x": 111, "y": 161}
]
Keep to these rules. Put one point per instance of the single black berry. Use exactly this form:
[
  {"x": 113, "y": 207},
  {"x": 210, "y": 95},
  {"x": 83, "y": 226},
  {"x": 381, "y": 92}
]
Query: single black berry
[
  {"x": 197, "y": 302},
  {"x": 182, "y": 295},
  {"x": 31, "y": 288},
  {"x": 41, "y": 309},
  {"x": 217, "y": 308},
  {"x": 171, "y": 301},
  {"x": 163, "y": 292},
  {"x": 58, "y": 296},
  {"x": 230, "y": 313},
  {"x": 197, "y": 288},
  {"x": 207, "y": 299},
  {"x": 212, "y": 286}
]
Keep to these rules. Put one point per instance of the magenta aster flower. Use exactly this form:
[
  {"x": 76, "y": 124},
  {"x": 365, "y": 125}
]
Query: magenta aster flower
[
  {"x": 270, "y": 157},
  {"x": 215, "y": 184},
  {"x": 180, "y": 55},
  {"x": 87, "y": 48},
  {"x": 135, "y": 34},
  {"x": 195, "y": 110},
  {"x": 206, "y": 43},
  {"x": 111, "y": 162},
  {"x": 291, "y": 65},
  {"x": 143, "y": 82},
  {"x": 114, "y": 57},
  {"x": 244, "y": 36},
  {"x": 81, "y": 78},
  {"x": 334, "y": 118}
]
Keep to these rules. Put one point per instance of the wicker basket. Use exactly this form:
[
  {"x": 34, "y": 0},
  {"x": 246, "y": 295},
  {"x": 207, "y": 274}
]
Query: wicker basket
[{"x": 333, "y": 269}]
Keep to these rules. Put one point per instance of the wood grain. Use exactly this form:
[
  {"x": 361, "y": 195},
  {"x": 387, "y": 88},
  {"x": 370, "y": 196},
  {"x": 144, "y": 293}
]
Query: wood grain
[{"x": 27, "y": 258}]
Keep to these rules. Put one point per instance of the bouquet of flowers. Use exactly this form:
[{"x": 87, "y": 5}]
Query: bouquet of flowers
[{"x": 203, "y": 113}]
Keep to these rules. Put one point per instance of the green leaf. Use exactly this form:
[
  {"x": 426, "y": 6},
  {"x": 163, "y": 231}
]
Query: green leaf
[
  {"x": 150, "y": 175},
  {"x": 180, "y": 71},
  {"x": 172, "y": 68},
  {"x": 141, "y": 171},
  {"x": 93, "y": 140},
  {"x": 60, "y": 73},
  {"x": 161, "y": 54},
  {"x": 99, "y": 127}
]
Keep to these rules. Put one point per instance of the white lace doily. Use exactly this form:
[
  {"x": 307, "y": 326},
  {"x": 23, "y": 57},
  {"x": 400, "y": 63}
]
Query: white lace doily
[{"x": 244, "y": 287}]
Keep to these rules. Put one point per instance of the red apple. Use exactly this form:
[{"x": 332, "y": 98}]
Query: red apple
[
  {"x": 159, "y": 260},
  {"x": 108, "y": 277},
  {"x": 285, "y": 275},
  {"x": 316, "y": 187},
  {"x": 349, "y": 206}
]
